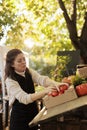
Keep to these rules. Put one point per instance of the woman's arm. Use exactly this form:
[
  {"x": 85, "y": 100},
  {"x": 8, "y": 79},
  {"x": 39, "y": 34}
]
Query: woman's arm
[
  {"x": 15, "y": 92},
  {"x": 44, "y": 80}
]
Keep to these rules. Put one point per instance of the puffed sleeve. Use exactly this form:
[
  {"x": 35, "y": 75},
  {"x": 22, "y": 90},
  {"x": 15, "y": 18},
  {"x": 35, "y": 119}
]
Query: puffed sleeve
[{"x": 14, "y": 91}]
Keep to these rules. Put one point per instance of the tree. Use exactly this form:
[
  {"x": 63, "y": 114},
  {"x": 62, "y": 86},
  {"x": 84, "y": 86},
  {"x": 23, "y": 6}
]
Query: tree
[
  {"x": 48, "y": 26},
  {"x": 11, "y": 23},
  {"x": 43, "y": 21},
  {"x": 78, "y": 38}
]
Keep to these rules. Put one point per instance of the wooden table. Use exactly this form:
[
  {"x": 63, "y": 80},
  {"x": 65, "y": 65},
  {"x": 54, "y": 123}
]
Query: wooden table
[{"x": 47, "y": 114}]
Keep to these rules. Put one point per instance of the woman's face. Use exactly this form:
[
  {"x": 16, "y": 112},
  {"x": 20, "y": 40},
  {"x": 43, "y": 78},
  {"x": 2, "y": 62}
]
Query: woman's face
[{"x": 19, "y": 63}]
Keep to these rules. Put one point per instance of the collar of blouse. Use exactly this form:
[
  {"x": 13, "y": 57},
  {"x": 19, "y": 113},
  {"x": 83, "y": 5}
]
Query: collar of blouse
[{"x": 21, "y": 73}]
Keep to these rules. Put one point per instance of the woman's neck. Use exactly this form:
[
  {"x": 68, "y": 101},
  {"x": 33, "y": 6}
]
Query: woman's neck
[{"x": 21, "y": 73}]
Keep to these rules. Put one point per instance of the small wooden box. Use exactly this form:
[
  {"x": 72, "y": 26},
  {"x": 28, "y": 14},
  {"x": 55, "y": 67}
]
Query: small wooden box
[
  {"x": 82, "y": 72},
  {"x": 68, "y": 95}
]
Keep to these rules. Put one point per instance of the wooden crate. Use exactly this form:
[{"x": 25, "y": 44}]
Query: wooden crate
[{"x": 50, "y": 101}]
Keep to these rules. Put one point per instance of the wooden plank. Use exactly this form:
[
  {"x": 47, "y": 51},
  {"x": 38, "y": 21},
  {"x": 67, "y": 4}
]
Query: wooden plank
[{"x": 59, "y": 109}]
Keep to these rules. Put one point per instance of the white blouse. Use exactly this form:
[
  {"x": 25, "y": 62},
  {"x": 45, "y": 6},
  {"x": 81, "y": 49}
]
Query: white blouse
[{"x": 14, "y": 90}]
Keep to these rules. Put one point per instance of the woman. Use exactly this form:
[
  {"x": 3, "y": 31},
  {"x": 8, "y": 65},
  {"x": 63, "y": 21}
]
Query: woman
[{"x": 20, "y": 88}]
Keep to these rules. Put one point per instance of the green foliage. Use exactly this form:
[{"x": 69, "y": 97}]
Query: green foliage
[
  {"x": 39, "y": 88},
  {"x": 62, "y": 61},
  {"x": 77, "y": 80},
  {"x": 41, "y": 20},
  {"x": 42, "y": 64}
]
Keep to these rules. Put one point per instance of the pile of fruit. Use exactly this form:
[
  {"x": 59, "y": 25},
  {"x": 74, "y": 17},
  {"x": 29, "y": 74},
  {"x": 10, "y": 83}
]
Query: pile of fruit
[
  {"x": 62, "y": 89},
  {"x": 79, "y": 83}
]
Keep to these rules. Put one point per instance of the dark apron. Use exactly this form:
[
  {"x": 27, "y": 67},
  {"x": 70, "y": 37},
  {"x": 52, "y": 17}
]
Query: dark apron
[{"x": 22, "y": 114}]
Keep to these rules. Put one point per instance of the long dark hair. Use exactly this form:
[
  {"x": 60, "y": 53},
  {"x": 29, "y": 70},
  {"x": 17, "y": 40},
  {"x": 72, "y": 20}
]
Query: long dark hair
[{"x": 10, "y": 57}]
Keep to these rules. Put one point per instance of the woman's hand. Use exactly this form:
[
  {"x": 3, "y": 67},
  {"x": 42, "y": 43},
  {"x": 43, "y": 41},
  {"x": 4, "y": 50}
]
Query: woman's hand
[
  {"x": 49, "y": 89},
  {"x": 56, "y": 87},
  {"x": 59, "y": 85}
]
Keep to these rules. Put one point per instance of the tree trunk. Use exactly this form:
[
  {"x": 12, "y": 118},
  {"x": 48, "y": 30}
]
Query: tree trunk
[{"x": 78, "y": 42}]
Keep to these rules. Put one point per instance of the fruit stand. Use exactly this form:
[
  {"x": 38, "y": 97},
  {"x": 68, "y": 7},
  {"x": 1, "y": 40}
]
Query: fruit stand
[{"x": 66, "y": 111}]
